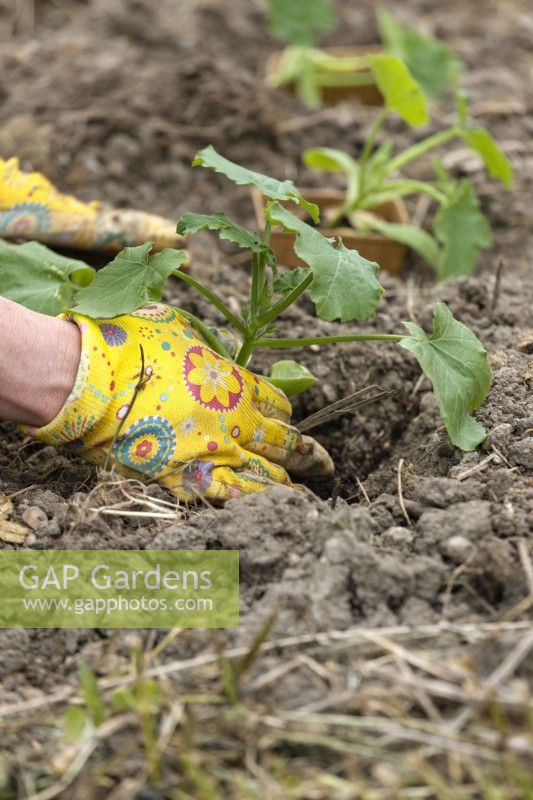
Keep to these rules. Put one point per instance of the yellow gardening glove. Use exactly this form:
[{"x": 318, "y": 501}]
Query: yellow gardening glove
[
  {"x": 32, "y": 208},
  {"x": 152, "y": 395}
]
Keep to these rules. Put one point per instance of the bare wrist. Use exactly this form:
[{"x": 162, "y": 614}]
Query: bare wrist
[{"x": 39, "y": 358}]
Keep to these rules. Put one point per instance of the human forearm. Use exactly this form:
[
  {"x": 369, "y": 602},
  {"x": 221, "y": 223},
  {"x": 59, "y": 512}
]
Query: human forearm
[{"x": 39, "y": 359}]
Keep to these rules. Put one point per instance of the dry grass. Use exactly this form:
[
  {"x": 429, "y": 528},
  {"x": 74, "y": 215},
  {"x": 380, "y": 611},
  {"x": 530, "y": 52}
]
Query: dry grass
[{"x": 393, "y": 713}]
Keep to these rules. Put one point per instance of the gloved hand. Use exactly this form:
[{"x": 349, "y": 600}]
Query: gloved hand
[
  {"x": 152, "y": 395},
  {"x": 32, "y": 208}
]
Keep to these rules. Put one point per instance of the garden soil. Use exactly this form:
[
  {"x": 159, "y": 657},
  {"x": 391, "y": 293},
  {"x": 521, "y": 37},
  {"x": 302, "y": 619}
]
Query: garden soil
[{"x": 112, "y": 100}]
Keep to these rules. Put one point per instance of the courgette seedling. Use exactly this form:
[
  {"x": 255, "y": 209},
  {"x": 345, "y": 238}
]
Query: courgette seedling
[
  {"x": 459, "y": 228},
  {"x": 313, "y": 71},
  {"x": 341, "y": 284}
]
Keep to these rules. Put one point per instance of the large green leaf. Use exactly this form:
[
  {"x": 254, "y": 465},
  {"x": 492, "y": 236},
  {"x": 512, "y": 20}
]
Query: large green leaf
[
  {"x": 497, "y": 164},
  {"x": 298, "y": 21},
  {"x": 133, "y": 279},
  {"x": 226, "y": 228},
  {"x": 418, "y": 240},
  {"x": 457, "y": 365},
  {"x": 36, "y": 277},
  {"x": 345, "y": 285},
  {"x": 432, "y": 63},
  {"x": 291, "y": 377},
  {"x": 276, "y": 190},
  {"x": 463, "y": 231},
  {"x": 400, "y": 90}
]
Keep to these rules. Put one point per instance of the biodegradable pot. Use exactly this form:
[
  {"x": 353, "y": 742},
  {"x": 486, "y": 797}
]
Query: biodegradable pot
[
  {"x": 368, "y": 95},
  {"x": 388, "y": 254}
]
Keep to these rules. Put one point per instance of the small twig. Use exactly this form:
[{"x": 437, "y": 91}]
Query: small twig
[
  {"x": 458, "y": 571},
  {"x": 83, "y": 755},
  {"x": 501, "y": 673},
  {"x": 525, "y": 560},
  {"x": 400, "y": 492},
  {"x": 497, "y": 285},
  {"x": 363, "y": 490},
  {"x": 348, "y": 404},
  {"x": 142, "y": 380},
  {"x": 477, "y": 468}
]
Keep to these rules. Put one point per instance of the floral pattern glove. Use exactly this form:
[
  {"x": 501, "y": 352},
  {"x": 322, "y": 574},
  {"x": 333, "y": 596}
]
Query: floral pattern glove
[
  {"x": 153, "y": 398},
  {"x": 32, "y": 208}
]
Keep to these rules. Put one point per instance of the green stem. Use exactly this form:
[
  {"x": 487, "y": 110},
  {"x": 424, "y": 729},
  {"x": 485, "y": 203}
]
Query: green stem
[
  {"x": 266, "y": 233},
  {"x": 211, "y": 338},
  {"x": 285, "y": 302},
  {"x": 417, "y": 150},
  {"x": 255, "y": 293},
  {"x": 213, "y": 299},
  {"x": 344, "y": 79},
  {"x": 245, "y": 353},
  {"x": 368, "y": 147},
  {"x": 401, "y": 189},
  {"x": 284, "y": 344}
]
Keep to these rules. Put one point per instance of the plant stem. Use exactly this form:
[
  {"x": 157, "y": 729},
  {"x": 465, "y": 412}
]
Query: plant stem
[
  {"x": 417, "y": 150},
  {"x": 367, "y": 149},
  {"x": 285, "y": 302},
  {"x": 283, "y": 344},
  {"x": 245, "y": 353},
  {"x": 255, "y": 293},
  {"x": 211, "y": 338},
  {"x": 396, "y": 189},
  {"x": 266, "y": 233},
  {"x": 213, "y": 299}
]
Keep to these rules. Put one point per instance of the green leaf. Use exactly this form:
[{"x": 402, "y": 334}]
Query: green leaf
[
  {"x": 418, "y": 240},
  {"x": 291, "y": 377},
  {"x": 463, "y": 231},
  {"x": 497, "y": 164},
  {"x": 400, "y": 90},
  {"x": 298, "y": 21},
  {"x": 457, "y": 365},
  {"x": 432, "y": 63},
  {"x": 226, "y": 228},
  {"x": 38, "y": 278},
  {"x": 133, "y": 279},
  {"x": 91, "y": 695},
  {"x": 74, "y": 722},
  {"x": 331, "y": 160},
  {"x": 288, "y": 281},
  {"x": 270, "y": 187},
  {"x": 345, "y": 285}
]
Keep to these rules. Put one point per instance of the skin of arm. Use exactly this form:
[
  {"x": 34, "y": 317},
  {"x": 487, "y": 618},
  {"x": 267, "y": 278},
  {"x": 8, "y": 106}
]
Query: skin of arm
[{"x": 39, "y": 358}]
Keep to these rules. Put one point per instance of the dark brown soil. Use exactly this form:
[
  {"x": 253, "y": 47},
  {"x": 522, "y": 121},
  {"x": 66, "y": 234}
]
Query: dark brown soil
[{"x": 112, "y": 99}]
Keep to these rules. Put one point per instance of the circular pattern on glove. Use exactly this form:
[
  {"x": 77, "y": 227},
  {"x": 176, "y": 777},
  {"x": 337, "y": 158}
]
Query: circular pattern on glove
[
  {"x": 212, "y": 381},
  {"x": 24, "y": 219},
  {"x": 147, "y": 446},
  {"x": 157, "y": 312},
  {"x": 113, "y": 334}
]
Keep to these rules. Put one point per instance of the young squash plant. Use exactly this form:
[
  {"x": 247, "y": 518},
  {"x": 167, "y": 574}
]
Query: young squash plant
[
  {"x": 342, "y": 285},
  {"x": 312, "y": 71},
  {"x": 459, "y": 230}
]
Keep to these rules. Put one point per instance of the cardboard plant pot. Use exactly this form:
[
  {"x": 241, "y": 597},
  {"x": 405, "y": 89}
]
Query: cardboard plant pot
[
  {"x": 368, "y": 94},
  {"x": 373, "y": 246}
]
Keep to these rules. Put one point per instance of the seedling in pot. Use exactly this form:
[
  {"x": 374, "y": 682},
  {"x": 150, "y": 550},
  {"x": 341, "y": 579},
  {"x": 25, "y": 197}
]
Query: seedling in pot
[
  {"x": 337, "y": 74},
  {"x": 459, "y": 230},
  {"x": 342, "y": 285}
]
